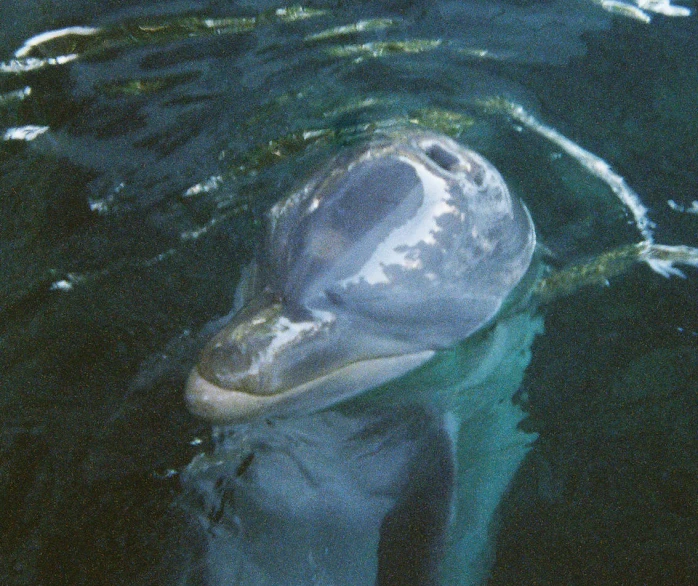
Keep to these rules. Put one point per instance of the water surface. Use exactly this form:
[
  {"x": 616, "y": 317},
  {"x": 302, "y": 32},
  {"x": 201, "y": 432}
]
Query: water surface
[{"x": 162, "y": 143}]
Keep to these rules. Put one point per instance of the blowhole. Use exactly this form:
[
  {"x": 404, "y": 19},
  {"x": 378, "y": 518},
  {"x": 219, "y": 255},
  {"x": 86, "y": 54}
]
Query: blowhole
[{"x": 444, "y": 159}]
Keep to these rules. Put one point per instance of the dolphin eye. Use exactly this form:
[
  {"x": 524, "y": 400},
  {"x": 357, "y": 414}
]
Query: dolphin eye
[{"x": 440, "y": 156}]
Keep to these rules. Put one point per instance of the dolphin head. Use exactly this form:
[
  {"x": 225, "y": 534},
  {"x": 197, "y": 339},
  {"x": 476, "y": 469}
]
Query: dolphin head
[{"x": 389, "y": 254}]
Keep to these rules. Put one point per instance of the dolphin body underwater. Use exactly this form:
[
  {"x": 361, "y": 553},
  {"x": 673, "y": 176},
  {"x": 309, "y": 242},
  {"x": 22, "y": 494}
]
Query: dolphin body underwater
[
  {"x": 364, "y": 390},
  {"x": 364, "y": 427}
]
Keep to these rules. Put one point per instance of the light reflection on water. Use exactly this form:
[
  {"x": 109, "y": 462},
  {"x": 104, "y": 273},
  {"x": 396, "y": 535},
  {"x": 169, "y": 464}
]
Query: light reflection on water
[{"x": 169, "y": 131}]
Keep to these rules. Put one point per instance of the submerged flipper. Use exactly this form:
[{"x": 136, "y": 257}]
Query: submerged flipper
[{"x": 661, "y": 258}]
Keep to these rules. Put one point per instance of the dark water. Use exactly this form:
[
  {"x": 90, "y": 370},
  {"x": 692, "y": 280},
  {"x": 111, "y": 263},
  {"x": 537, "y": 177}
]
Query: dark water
[{"x": 113, "y": 260}]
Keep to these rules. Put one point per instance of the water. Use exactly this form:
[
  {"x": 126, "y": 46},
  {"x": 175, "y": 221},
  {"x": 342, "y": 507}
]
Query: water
[{"x": 125, "y": 224}]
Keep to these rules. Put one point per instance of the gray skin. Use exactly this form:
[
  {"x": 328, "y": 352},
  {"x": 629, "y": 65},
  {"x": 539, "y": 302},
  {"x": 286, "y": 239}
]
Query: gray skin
[{"x": 389, "y": 255}]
